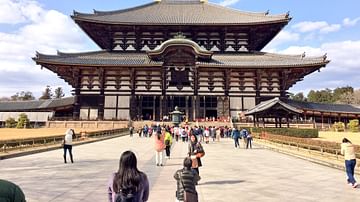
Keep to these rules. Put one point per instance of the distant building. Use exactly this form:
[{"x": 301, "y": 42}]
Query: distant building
[{"x": 37, "y": 111}]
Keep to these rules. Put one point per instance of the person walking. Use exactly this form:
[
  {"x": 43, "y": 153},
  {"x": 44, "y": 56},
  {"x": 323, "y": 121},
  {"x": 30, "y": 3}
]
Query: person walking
[
  {"x": 195, "y": 152},
  {"x": 67, "y": 144},
  {"x": 131, "y": 131},
  {"x": 235, "y": 134},
  {"x": 159, "y": 147},
  {"x": 11, "y": 192},
  {"x": 168, "y": 143},
  {"x": 347, "y": 149},
  {"x": 128, "y": 183},
  {"x": 186, "y": 180},
  {"x": 249, "y": 141}
]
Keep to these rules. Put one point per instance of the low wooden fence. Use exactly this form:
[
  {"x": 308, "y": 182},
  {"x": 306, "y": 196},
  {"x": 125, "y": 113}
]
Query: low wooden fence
[
  {"x": 20, "y": 144},
  {"x": 311, "y": 149}
]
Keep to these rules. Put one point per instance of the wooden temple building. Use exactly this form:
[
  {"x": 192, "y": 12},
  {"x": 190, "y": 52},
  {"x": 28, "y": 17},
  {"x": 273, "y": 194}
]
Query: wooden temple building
[{"x": 204, "y": 58}]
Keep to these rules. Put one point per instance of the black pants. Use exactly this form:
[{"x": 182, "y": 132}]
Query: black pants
[
  {"x": 68, "y": 147},
  {"x": 167, "y": 150}
]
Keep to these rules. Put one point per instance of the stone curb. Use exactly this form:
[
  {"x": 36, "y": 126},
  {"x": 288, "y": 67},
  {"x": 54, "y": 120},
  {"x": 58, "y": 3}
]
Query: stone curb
[{"x": 54, "y": 147}]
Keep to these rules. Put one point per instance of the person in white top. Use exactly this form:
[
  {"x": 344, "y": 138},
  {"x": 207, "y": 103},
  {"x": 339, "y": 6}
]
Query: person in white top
[
  {"x": 347, "y": 149},
  {"x": 67, "y": 144}
]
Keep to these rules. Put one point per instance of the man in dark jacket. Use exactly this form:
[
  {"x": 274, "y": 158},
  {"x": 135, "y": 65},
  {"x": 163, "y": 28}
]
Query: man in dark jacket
[
  {"x": 186, "y": 179},
  {"x": 236, "y": 135},
  {"x": 11, "y": 192}
]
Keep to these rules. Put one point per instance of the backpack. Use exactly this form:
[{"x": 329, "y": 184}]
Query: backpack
[{"x": 123, "y": 197}]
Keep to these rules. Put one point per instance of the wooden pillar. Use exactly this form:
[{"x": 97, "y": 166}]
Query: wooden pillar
[
  {"x": 287, "y": 121},
  {"x": 280, "y": 120},
  {"x": 276, "y": 122},
  {"x": 154, "y": 107},
  {"x": 77, "y": 104},
  {"x": 161, "y": 107},
  {"x": 140, "y": 107},
  {"x": 254, "y": 120},
  {"x": 186, "y": 107},
  {"x": 101, "y": 75},
  {"x": 263, "y": 119},
  {"x": 204, "y": 108}
]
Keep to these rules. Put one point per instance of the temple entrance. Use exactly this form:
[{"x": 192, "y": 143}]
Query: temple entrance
[
  {"x": 147, "y": 114},
  {"x": 211, "y": 113}
]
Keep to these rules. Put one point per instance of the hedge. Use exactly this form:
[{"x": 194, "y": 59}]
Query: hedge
[{"x": 293, "y": 132}]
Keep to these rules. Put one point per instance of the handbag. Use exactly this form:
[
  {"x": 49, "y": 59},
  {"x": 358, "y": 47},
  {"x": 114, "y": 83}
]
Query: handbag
[{"x": 188, "y": 196}]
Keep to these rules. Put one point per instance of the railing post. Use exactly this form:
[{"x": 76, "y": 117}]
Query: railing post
[{"x": 4, "y": 149}]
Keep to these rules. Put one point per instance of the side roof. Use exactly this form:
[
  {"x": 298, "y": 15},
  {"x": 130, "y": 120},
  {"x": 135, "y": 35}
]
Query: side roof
[
  {"x": 180, "y": 12},
  {"x": 238, "y": 60},
  {"x": 36, "y": 104},
  {"x": 322, "y": 107}
]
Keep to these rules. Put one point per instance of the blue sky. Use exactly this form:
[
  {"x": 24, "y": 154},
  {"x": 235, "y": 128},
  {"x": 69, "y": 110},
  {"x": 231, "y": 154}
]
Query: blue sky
[{"x": 317, "y": 27}]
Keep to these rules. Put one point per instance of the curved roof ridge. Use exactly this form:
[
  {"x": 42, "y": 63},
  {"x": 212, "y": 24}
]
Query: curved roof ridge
[
  {"x": 60, "y": 53},
  {"x": 301, "y": 56},
  {"x": 250, "y": 13},
  {"x": 97, "y": 12}
]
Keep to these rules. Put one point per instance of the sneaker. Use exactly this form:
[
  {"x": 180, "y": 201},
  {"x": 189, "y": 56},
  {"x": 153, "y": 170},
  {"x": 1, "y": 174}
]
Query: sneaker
[
  {"x": 355, "y": 185},
  {"x": 157, "y": 164},
  {"x": 161, "y": 164}
]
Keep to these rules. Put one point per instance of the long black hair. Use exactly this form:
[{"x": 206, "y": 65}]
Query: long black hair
[
  {"x": 128, "y": 177},
  {"x": 345, "y": 140}
]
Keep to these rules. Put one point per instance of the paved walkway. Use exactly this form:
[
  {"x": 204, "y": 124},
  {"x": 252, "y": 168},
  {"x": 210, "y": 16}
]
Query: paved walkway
[{"x": 228, "y": 174}]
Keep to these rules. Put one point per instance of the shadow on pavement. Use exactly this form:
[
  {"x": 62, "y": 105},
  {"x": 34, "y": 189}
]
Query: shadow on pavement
[{"x": 223, "y": 182}]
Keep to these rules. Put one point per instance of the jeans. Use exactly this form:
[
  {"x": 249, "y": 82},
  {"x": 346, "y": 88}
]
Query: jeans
[
  {"x": 236, "y": 140},
  {"x": 248, "y": 143},
  {"x": 350, "y": 166},
  {"x": 68, "y": 147}
]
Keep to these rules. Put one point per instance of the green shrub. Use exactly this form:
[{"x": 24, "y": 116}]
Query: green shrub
[
  {"x": 354, "y": 125},
  {"x": 23, "y": 121},
  {"x": 10, "y": 123},
  {"x": 293, "y": 132},
  {"x": 338, "y": 127}
]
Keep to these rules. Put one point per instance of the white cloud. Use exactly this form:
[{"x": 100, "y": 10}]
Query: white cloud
[
  {"x": 19, "y": 11},
  {"x": 348, "y": 22},
  {"x": 228, "y": 2},
  {"x": 43, "y": 30},
  {"x": 321, "y": 26},
  {"x": 341, "y": 71},
  {"x": 281, "y": 38}
]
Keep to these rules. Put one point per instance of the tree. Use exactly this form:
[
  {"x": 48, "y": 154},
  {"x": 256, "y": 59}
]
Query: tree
[
  {"x": 356, "y": 95},
  {"x": 338, "y": 92},
  {"x": 23, "y": 95},
  {"x": 298, "y": 97},
  {"x": 23, "y": 121},
  {"x": 59, "y": 93},
  {"x": 322, "y": 96},
  {"x": 10, "y": 123},
  {"x": 47, "y": 94},
  {"x": 346, "y": 98}
]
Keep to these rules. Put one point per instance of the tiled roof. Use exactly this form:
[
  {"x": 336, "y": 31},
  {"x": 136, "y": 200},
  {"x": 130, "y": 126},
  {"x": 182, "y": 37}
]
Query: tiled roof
[
  {"x": 246, "y": 60},
  {"x": 36, "y": 105},
  {"x": 180, "y": 13},
  {"x": 311, "y": 106},
  {"x": 266, "y": 105}
]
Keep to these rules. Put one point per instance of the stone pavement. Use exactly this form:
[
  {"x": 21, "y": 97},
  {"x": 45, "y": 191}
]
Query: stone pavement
[{"x": 228, "y": 174}]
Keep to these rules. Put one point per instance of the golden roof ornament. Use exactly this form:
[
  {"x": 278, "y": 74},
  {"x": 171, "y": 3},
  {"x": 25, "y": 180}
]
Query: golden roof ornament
[{"x": 179, "y": 35}]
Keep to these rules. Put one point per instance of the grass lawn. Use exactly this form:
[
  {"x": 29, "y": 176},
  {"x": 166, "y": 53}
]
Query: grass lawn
[
  {"x": 338, "y": 136},
  {"x": 13, "y": 133}
]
